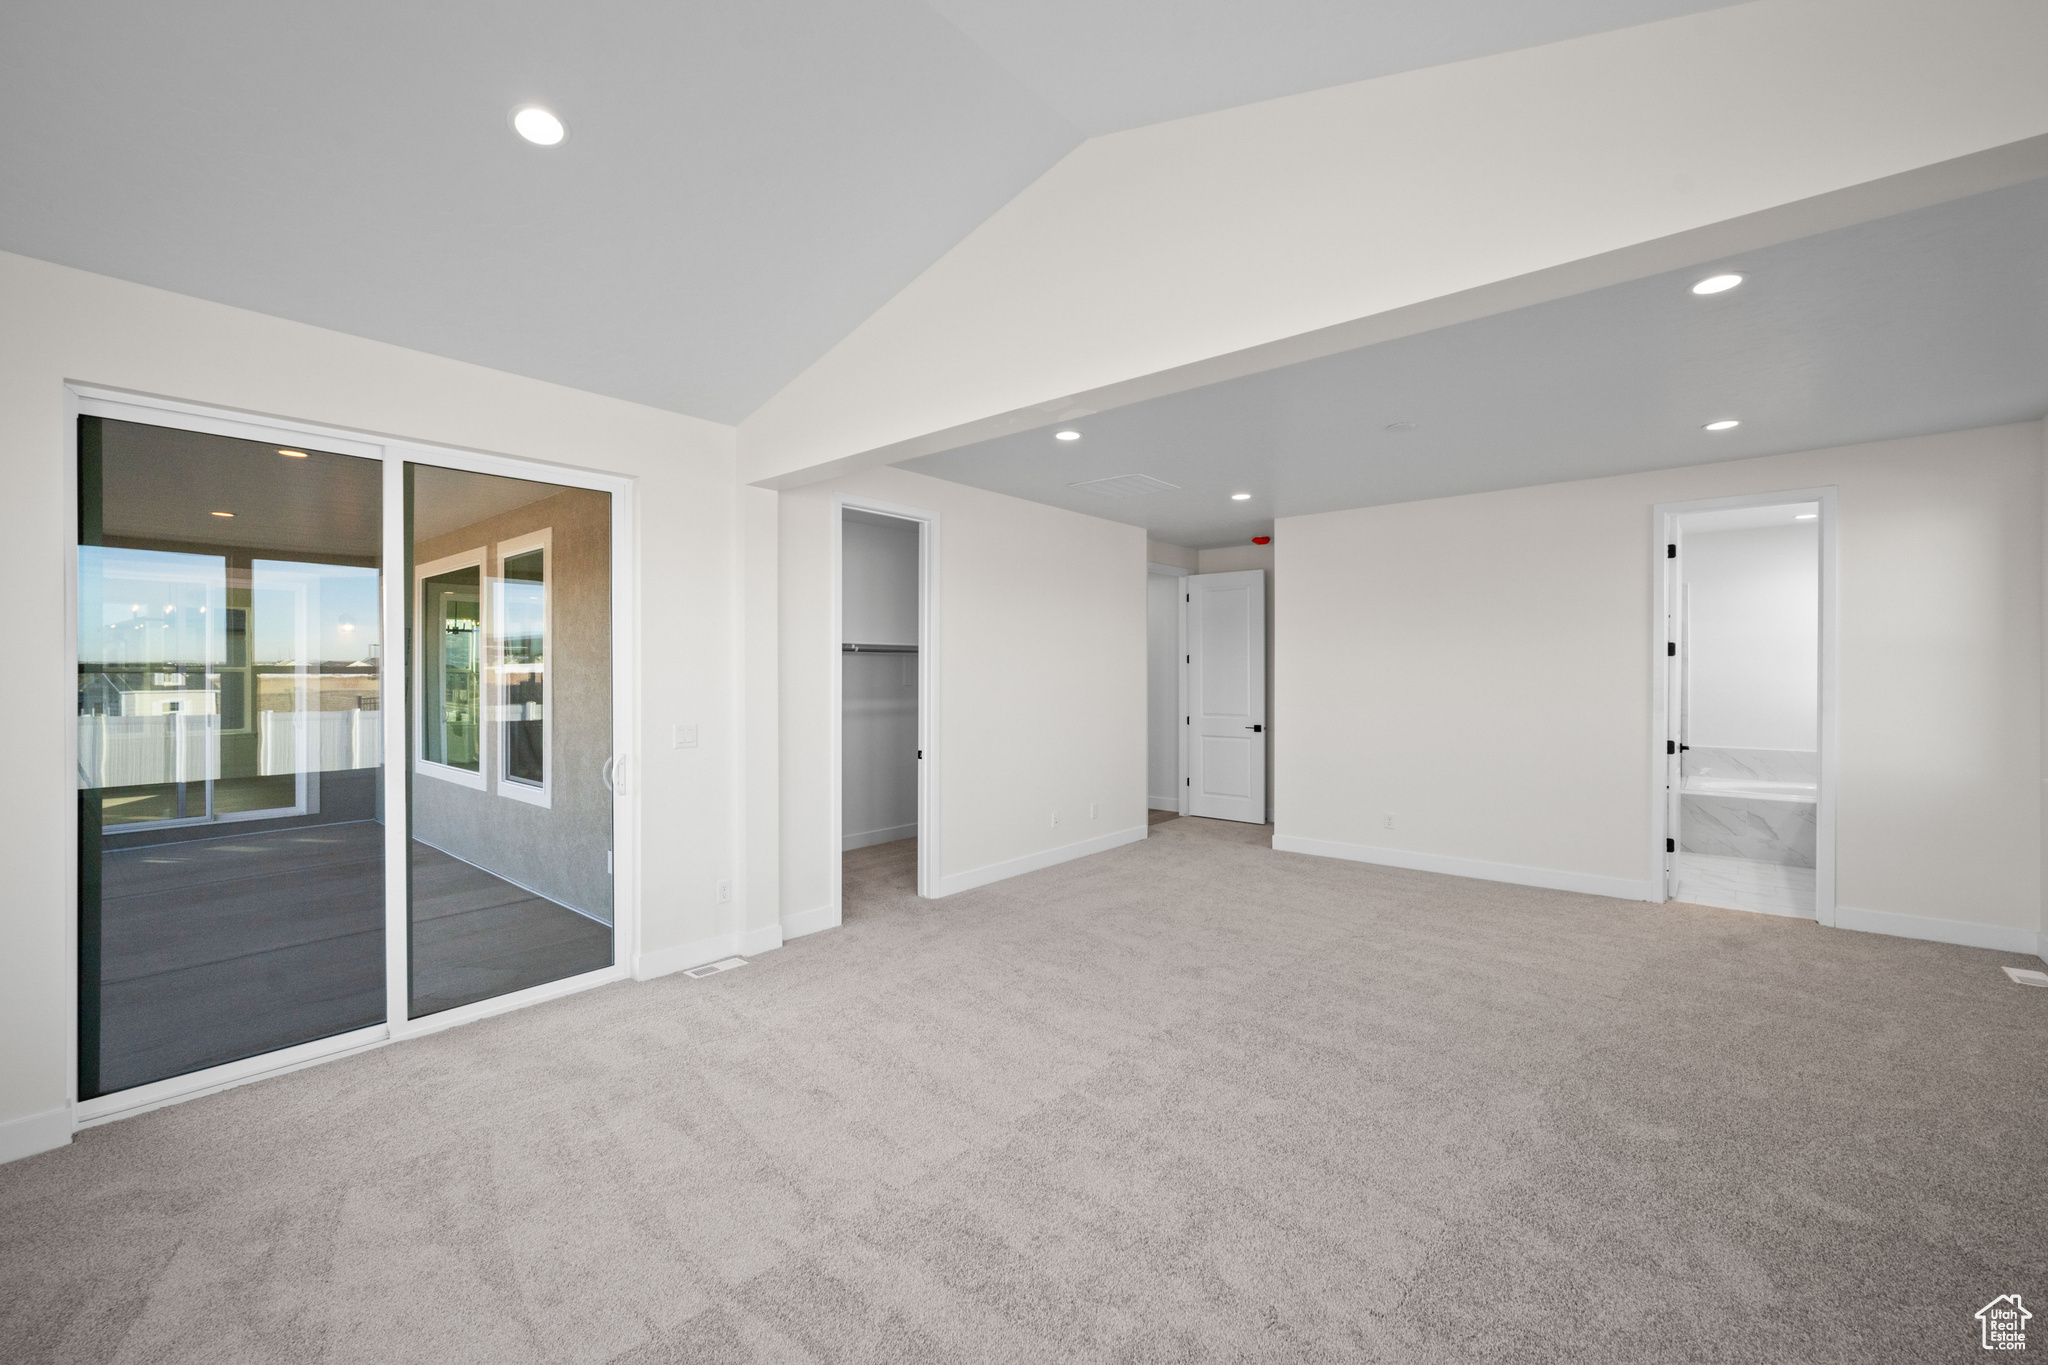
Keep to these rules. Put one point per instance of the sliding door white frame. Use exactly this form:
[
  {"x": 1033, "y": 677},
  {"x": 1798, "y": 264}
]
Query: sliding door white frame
[{"x": 90, "y": 401}]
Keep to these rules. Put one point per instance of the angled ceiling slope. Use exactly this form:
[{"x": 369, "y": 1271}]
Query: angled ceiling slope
[
  {"x": 1180, "y": 254},
  {"x": 1929, "y": 321},
  {"x": 743, "y": 182}
]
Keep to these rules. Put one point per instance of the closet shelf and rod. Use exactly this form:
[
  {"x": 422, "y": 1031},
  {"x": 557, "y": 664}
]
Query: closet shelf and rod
[{"x": 850, "y": 648}]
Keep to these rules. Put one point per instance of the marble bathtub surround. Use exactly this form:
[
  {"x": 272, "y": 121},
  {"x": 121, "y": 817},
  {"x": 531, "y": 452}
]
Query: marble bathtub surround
[
  {"x": 1741, "y": 884},
  {"x": 1761, "y": 830}
]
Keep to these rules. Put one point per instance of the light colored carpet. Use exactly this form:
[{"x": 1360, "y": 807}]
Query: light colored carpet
[{"x": 1190, "y": 1100}]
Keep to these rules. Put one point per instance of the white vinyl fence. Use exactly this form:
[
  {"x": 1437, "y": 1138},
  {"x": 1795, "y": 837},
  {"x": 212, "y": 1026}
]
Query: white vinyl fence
[
  {"x": 135, "y": 751},
  {"x": 329, "y": 741}
]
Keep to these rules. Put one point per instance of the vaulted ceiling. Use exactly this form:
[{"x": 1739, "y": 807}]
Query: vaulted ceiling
[
  {"x": 743, "y": 182},
  {"x": 1929, "y": 321}
]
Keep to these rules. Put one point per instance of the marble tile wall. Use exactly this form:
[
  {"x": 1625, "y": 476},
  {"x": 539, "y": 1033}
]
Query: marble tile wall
[
  {"x": 1742, "y": 827},
  {"x": 1768, "y": 765}
]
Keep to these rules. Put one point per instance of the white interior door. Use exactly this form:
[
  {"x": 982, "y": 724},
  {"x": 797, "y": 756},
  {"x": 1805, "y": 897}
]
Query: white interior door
[{"x": 1226, "y": 720}]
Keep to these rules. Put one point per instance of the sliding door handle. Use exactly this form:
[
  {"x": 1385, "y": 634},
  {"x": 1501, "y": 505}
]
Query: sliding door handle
[{"x": 605, "y": 773}]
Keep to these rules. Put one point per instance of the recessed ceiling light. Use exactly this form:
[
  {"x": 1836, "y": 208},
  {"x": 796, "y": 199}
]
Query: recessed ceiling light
[
  {"x": 294, "y": 454},
  {"x": 223, "y": 514},
  {"x": 1717, "y": 284},
  {"x": 1806, "y": 516},
  {"x": 1240, "y": 497},
  {"x": 1725, "y": 424},
  {"x": 538, "y": 126},
  {"x": 1068, "y": 435}
]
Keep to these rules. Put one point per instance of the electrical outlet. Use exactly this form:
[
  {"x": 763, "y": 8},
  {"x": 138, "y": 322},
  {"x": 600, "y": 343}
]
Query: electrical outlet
[
  {"x": 1055, "y": 819},
  {"x": 684, "y": 737},
  {"x": 724, "y": 892},
  {"x": 1390, "y": 822}
]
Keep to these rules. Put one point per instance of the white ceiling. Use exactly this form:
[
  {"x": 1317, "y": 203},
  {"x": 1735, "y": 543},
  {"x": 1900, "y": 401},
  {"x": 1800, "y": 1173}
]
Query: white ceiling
[
  {"x": 1127, "y": 63},
  {"x": 1935, "y": 320},
  {"x": 744, "y": 180},
  {"x": 1776, "y": 515}
]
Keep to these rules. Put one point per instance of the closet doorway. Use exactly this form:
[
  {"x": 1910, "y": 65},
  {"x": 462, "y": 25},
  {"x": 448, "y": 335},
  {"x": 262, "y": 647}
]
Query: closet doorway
[
  {"x": 887, "y": 763},
  {"x": 1744, "y": 808}
]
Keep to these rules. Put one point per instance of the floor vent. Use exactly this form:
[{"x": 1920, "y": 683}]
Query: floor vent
[
  {"x": 2027, "y": 977},
  {"x": 714, "y": 968},
  {"x": 1127, "y": 486}
]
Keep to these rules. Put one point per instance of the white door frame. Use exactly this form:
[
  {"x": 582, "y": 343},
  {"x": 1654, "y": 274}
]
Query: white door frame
[
  {"x": 1663, "y": 622},
  {"x": 89, "y": 400},
  {"x": 1180, "y": 705},
  {"x": 928, "y": 771}
]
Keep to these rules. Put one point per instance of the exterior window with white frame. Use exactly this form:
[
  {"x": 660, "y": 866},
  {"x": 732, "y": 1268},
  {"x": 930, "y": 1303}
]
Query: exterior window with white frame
[
  {"x": 449, "y": 721},
  {"x": 521, "y": 623}
]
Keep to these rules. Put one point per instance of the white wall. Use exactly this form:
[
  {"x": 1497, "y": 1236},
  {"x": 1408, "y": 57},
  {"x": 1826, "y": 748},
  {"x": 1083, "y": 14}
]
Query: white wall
[
  {"x": 880, "y": 577},
  {"x": 1753, "y": 626},
  {"x": 1041, "y": 694},
  {"x": 1173, "y": 556},
  {"x": 1179, "y": 254},
  {"x": 1480, "y": 668},
  {"x": 878, "y": 692},
  {"x": 1162, "y": 691},
  {"x": 68, "y": 325}
]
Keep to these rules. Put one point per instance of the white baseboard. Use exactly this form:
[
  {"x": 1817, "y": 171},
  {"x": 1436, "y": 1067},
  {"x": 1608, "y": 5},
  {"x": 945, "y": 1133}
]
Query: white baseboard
[
  {"x": 1622, "y": 888},
  {"x": 697, "y": 952},
  {"x": 810, "y": 921},
  {"x": 32, "y": 1133},
  {"x": 765, "y": 939},
  {"x": 1998, "y": 937},
  {"x": 1032, "y": 862},
  {"x": 878, "y": 836}
]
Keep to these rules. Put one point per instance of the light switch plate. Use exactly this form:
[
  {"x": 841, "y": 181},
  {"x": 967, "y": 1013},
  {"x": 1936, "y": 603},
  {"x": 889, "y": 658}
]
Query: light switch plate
[{"x": 685, "y": 737}]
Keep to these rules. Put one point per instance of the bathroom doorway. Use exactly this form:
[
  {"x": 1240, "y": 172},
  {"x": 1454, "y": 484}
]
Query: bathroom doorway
[{"x": 1745, "y": 713}]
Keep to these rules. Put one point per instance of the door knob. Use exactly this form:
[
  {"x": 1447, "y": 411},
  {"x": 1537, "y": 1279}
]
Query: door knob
[{"x": 1260, "y": 728}]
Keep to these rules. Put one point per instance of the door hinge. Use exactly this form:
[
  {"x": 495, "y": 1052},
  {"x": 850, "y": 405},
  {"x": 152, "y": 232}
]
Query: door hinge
[
  {"x": 1189, "y": 781},
  {"x": 1671, "y": 648},
  {"x": 1671, "y": 845},
  {"x": 1670, "y": 746},
  {"x": 920, "y": 753},
  {"x": 1671, "y": 552}
]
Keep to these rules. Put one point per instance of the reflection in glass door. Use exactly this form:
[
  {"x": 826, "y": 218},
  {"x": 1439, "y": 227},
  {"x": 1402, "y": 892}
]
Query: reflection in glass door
[
  {"x": 511, "y": 710},
  {"x": 229, "y": 750}
]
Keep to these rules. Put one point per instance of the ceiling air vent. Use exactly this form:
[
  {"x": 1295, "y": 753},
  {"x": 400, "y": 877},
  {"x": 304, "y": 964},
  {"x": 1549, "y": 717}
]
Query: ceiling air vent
[{"x": 1127, "y": 486}]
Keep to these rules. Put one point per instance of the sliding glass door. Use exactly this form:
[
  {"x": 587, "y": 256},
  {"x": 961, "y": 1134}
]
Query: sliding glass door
[
  {"x": 511, "y": 852},
  {"x": 246, "y": 863},
  {"x": 230, "y": 763}
]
